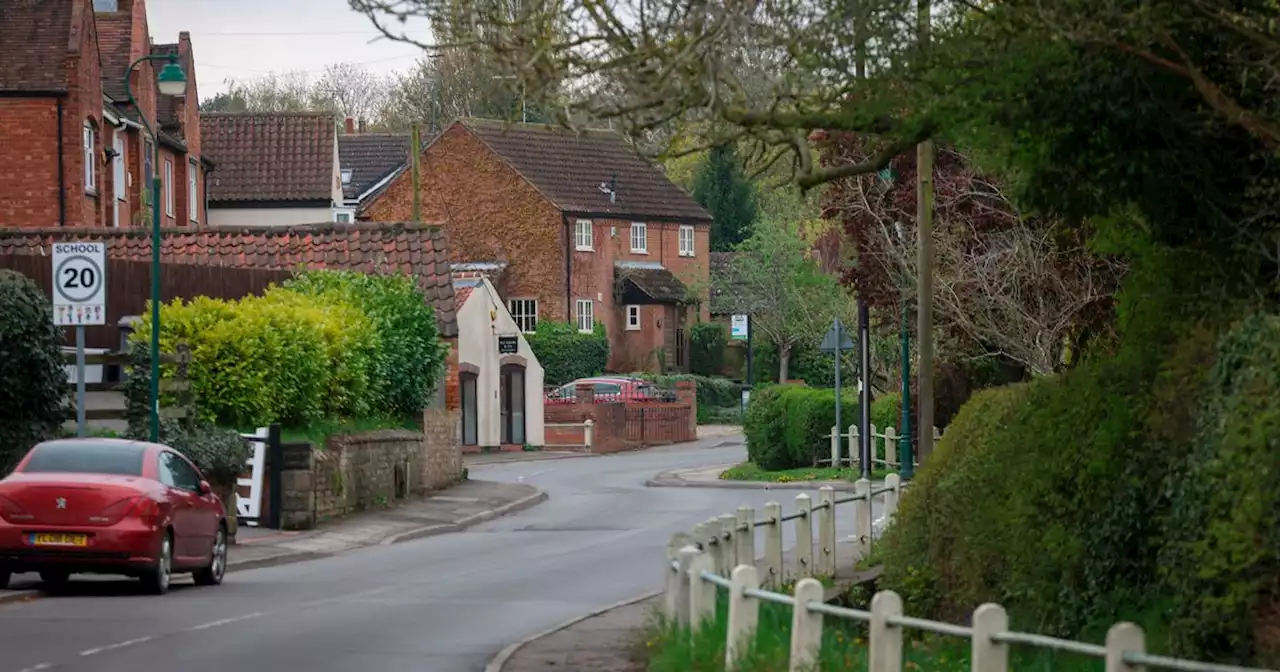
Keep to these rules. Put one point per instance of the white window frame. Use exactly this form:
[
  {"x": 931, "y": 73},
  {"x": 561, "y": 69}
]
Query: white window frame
[
  {"x": 526, "y": 320},
  {"x": 168, "y": 187},
  {"x": 639, "y": 234},
  {"x": 688, "y": 241},
  {"x": 89, "y": 140},
  {"x": 193, "y": 192},
  {"x": 633, "y": 318},
  {"x": 585, "y": 312},
  {"x": 349, "y": 212},
  {"x": 584, "y": 236}
]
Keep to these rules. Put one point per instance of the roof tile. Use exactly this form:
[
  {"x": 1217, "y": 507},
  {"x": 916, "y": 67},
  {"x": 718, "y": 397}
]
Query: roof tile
[
  {"x": 370, "y": 157},
  {"x": 575, "y": 170},
  {"x": 115, "y": 33},
  {"x": 34, "y": 42},
  {"x": 269, "y": 157},
  {"x": 277, "y": 248}
]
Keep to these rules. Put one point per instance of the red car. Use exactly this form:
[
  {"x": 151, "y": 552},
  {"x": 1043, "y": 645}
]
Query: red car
[
  {"x": 609, "y": 389},
  {"x": 109, "y": 506}
]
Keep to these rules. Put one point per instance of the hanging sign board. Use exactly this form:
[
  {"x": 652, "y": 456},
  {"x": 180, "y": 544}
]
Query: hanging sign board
[{"x": 738, "y": 327}]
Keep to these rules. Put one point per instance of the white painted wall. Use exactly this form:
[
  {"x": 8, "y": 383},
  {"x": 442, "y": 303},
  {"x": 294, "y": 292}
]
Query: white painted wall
[
  {"x": 269, "y": 216},
  {"x": 478, "y": 331}
]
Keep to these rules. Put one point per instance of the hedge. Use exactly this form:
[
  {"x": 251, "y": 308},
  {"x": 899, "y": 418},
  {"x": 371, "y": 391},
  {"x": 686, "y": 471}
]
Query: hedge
[
  {"x": 712, "y": 391},
  {"x": 318, "y": 350},
  {"x": 707, "y": 341},
  {"x": 33, "y": 384},
  {"x": 787, "y": 426},
  {"x": 567, "y": 354}
]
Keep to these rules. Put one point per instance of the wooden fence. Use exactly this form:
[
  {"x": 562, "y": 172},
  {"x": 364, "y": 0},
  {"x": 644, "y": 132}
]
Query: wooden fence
[
  {"x": 129, "y": 287},
  {"x": 179, "y": 384}
]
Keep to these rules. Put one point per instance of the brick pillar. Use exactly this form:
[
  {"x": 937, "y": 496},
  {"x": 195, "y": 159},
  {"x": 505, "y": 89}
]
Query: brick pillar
[
  {"x": 687, "y": 395},
  {"x": 585, "y": 395}
]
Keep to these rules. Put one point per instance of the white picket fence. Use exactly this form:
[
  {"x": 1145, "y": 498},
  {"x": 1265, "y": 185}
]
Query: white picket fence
[
  {"x": 851, "y": 457},
  {"x": 720, "y": 554}
]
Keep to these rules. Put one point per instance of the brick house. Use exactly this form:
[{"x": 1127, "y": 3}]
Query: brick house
[
  {"x": 72, "y": 150},
  {"x": 572, "y": 227},
  {"x": 274, "y": 169},
  {"x": 367, "y": 161}
]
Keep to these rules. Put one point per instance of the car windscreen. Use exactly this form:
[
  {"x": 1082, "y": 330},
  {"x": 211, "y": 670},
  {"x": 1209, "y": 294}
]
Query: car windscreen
[{"x": 86, "y": 457}]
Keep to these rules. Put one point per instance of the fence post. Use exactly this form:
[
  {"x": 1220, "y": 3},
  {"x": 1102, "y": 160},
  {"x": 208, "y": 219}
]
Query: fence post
[
  {"x": 671, "y": 574},
  {"x": 894, "y": 484},
  {"x": 885, "y": 640},
  {"x": 804, "y": 535},
  {"x": 989, "y": 655},
  {"x": 773, "y": 543},
  {"x": 1124, "y": 637},
  {"x": 589, "y": 433},
  {"x": 702, "y": 593},
  {"x": 871, "y": 441},
  {"x": 744, "y": 612},
  {"x": 862, "y": 518},
  {"x": 937, "y": 434},
  {"x": 827, "y": 531},
  {"x": 855, "y": 449},
  {"x": 715, "y": 545},
  {"x": 835, "y": 447},
  {"x": 890, "y": 447},
  {"x": 682, "y": 597},
  {"x": 729, "y": 543},
  {"x": 806, "y": 626},
  {"x": 746, "y": 550}
]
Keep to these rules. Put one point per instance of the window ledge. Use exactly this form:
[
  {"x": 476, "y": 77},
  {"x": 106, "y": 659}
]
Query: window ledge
[
  {"x": 633, "y": 328},
  {"x": 635, "y": 251},
  {"x": 585, "y": 249}
]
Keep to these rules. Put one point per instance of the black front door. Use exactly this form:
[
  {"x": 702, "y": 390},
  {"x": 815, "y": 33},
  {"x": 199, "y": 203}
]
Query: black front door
[
  {"x": 511, "y": 398},
  {"x": 470, "y": 420}
]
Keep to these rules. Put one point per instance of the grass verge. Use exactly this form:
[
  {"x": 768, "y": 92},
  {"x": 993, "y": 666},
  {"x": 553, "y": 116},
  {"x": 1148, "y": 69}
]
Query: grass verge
[{"x": 748, "y": 471}]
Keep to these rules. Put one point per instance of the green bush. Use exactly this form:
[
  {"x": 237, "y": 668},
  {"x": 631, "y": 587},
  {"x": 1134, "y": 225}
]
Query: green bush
[
  {"x": 411, "y": 359},
  {"x": 807, "y": 363},
  {"x": 707, "y": 341},
  {"x": 886, "y": 411},
  {"x": 788, "y": 426},
  {"x": 567, "y": 354},
  {"x": 713, "y": 392},
  {"x": 33, "y": 384},
  {"x": 220, "y": 453}
]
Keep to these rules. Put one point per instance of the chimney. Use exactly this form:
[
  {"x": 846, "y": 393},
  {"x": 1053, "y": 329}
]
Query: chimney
[
  {"x": 351, "y": 125},
  {"x": 362, "y": 125}
]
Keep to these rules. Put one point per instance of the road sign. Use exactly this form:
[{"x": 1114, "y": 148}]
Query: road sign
[
  {"x": 837, "y": 338},
  {"x": 738, "y": 327},
  {"x": 79, "y": 284}
]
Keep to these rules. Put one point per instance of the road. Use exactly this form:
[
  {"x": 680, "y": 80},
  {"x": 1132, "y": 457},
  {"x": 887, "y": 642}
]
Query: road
[{"x": 438, "y": 605}]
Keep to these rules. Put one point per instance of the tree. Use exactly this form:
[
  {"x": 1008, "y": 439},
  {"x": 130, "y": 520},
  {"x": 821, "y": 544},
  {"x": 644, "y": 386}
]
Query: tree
[
  {"x": 350, "y": 90},
  {"x": 272, "y": 92},
  {"x": 725, "y": 192},
  {"x": 225, "y": 101}
]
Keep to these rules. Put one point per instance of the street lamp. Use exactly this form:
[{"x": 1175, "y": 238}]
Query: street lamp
[{"x": 172, "y": 81}]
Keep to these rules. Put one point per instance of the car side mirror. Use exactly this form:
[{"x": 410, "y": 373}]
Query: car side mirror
[{"x": 204, "y": 488}]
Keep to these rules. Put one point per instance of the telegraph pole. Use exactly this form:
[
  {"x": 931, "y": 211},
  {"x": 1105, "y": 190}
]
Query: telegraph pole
[{"x": 924, "y": 262}]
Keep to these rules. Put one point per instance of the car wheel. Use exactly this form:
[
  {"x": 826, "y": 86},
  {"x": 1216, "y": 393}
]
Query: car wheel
[
  {"x": 156, "y": 580},
  {"x": 4, "y": 578},
  {"x": 212, "y": 575}
]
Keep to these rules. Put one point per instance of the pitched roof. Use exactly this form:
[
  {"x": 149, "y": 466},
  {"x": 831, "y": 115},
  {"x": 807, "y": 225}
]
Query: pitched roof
[
  {"x": 370, "y": 157},
  {"x": 460, "y": 294},
  {"x": 639, "y": 282},
  {"x": 419, "y": 250},
  {"x": 35, "y": 38},
  {"x": 575, "y": 170},
  {"x": 269, "y": 157},
  {"x": 115, "y": 33}
]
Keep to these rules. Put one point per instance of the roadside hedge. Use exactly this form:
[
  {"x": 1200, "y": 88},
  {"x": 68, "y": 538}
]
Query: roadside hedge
[
  {"x": 707, "y": 341},
  {"x": 317, "y": 350},
  {"x": 567, "y": 354},
  {"x": 787, "y": 426},
  {"x": 33, "y": 384}
]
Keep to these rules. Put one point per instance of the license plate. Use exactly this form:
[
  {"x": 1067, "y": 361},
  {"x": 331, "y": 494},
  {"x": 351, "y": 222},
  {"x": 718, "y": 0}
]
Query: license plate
[{"x": 59, "y": 539}]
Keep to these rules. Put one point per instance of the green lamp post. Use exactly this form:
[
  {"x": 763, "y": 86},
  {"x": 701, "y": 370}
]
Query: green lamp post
[{"x": 172, "y": 81}]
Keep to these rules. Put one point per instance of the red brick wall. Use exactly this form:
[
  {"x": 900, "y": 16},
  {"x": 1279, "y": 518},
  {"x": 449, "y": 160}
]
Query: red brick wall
[
  {"x": 29, "y": 162},
  {"x": 491, "y": 214},
  {"x": 452, "y": 391},
  {"x": 178, "y": 185},
  {"x": 625, "y": 426},
  {"x": 84, "y": 103}
]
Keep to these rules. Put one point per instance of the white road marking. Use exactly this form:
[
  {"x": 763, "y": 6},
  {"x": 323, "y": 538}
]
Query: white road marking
[
  {"x": 225, "y": 621},
  {"x": 37, "y": 668},
  {"x": 113, "y": 647}
]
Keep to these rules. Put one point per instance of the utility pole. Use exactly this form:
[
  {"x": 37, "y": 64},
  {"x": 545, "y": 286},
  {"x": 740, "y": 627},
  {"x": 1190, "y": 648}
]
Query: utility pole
[{"x": 924, "y": 262}]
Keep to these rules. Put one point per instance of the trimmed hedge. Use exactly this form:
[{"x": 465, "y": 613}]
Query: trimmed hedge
[
  {"x": 296, "y": 356},
  {"x": 787, "y": 426},
  {"x": 707, "y": 341},
  {"x": 33, "y": 384},
  {"x": 567, "y": 354}
]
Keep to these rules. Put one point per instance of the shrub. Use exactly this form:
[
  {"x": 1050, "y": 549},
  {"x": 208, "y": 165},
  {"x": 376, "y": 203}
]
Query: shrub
[
  {"x": 886, "y": 411},
  {"x": 707, "y": 341},
  {"x": 33, "y": 384},
  {"x": 567, "y": 354},
  {"x": 787, "y": 426},
  {"x": 713, "y": 392},
  {"x": 220, "y": 453},
  {"x": 411, "y": 359}
]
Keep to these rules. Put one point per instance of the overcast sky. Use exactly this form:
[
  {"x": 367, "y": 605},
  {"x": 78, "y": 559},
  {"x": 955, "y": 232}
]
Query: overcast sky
[{"x": 243, "y": 39}]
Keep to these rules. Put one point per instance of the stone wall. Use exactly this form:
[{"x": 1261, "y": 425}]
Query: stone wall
[{"x": 371, "y": 470}]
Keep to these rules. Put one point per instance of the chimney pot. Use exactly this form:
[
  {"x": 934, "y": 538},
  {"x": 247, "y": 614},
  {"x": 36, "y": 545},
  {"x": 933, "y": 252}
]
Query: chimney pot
[{"x": 351, "y": 125}]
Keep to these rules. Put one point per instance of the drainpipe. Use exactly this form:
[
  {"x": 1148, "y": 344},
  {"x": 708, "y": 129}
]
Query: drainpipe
[{"x": 62, "y": 178}]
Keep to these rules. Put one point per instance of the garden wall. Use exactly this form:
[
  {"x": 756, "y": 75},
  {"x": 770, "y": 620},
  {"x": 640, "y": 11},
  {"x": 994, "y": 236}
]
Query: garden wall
[{"x": 627, "y": 425}]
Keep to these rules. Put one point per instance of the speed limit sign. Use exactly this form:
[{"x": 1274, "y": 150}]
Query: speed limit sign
[{"x": 79, "y": 284}]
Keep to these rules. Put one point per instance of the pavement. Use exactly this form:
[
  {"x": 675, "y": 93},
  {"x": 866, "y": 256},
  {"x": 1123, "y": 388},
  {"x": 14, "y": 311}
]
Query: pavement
[
  {"x": 445, "y": 603},
  {"x": 709, "y": 477},
  {"x": 450, "y": 510}
]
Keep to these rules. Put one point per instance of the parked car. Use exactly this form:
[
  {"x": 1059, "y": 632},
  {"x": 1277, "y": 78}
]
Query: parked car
[
  {"x": 110, "y": 506},
  {"x": 611, "y": 389}
]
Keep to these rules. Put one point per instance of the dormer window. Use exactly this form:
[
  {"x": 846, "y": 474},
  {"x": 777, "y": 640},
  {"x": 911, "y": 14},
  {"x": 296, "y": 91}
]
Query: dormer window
[{"x": 346, "y": 176}]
